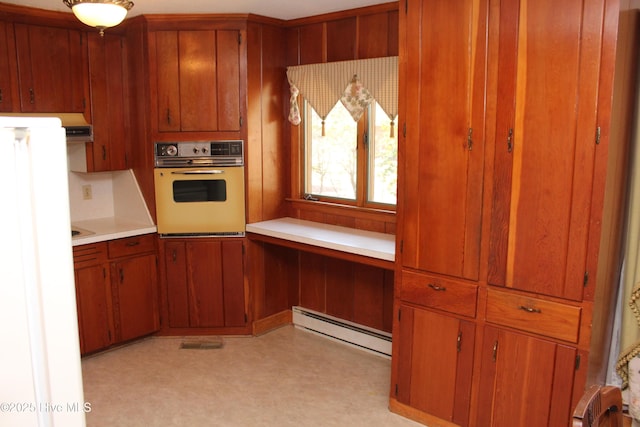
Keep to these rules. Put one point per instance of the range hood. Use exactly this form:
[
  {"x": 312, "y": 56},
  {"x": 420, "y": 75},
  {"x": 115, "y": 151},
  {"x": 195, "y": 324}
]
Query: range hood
[{"x": 77, "y": 128}]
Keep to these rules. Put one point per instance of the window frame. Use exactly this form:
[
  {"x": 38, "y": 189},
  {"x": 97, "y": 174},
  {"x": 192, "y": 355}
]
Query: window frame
[{"x": 363, "y": 156}]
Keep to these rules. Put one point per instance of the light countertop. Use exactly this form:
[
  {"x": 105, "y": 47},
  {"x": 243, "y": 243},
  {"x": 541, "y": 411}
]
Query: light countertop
[
  {"x": 345, "y": 239},
  {"x": 103, "y": 229},
  {"x": 115, "y": 208}
]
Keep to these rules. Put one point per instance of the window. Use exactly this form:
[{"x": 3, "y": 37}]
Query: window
[{"x": 353, "y": 162}]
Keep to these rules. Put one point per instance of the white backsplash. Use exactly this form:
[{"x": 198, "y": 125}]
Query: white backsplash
[
  {"x": 101, "y": 203},
  {"x": 113, "y": 195}
]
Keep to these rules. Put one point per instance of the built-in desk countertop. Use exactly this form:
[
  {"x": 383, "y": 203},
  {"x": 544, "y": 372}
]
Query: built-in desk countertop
[{"x": 366, "y": 247}]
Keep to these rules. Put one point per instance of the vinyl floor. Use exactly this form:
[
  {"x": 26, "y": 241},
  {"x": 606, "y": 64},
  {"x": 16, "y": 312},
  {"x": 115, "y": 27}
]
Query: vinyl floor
[{"x": 287, "y": 377}]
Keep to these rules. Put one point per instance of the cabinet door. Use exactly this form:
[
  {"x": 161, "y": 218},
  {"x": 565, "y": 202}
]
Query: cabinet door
[
  {"x": 205, "y": 283},
  {"x": 168, "y": 80},
  {"x": 95, "y": 309},
  {"x": 524, "y": 381},
  {"x": 444, "y": 111},
  {"x": 51, "y": 70},
  {"x": 233, "y": 283},
  {"x": 198, "y": 80},
  {"x": 546, "y": 139},
  {"x": 108, "y": 106},
  {"x": 135, "y": 284},
  {"x": 228, "y": 82},
  {"x": 206, "y": 293},
  {"x": 8, "y": 72},
  {"x": 175, "y": 262},
  {"x": 435, "y": 361}
]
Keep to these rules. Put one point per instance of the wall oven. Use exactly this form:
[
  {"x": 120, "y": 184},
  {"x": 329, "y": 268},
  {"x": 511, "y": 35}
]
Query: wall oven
[{"x": 199, "y": 188}]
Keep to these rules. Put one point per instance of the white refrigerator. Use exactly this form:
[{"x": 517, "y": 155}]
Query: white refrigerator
[{"x": 40, "y": 371}]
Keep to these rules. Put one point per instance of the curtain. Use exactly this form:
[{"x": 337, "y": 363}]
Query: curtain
[
  {"x": 628, "y": 363},
  {"x": 355, "y": 83}
]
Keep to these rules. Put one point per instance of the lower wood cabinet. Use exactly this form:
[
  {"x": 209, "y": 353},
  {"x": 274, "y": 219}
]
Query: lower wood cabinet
[
  {"x": 435, "y": 363},
  {"x": 204, "y": 286},
  {"x": 515, "y": 361},
  {"x": 94, "y": 303},
  {"x": 135, "y": 296},
  {"x": 116, "y": 291},
  {"x": 525, "y": 380}
]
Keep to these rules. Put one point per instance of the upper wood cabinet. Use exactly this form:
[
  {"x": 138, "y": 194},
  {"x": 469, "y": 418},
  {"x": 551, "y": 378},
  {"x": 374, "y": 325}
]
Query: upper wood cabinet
[
  {"x": 107, "y": 76},
  {"x": 198, "y": 80},
  {"x": 442, "y": 106},
  {"x": 8, "y": 71},
  {"x": 51, "y": 68},
  {"x": 546, "y": 136}
]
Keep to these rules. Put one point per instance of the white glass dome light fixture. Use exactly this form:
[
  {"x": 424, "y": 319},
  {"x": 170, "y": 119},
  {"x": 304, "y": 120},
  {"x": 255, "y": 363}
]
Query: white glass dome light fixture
[{"x": 101, "y": 14}]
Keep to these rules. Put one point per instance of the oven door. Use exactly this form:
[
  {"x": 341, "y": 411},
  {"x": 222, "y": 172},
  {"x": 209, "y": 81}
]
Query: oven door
[{"x": 207, "y": 200}]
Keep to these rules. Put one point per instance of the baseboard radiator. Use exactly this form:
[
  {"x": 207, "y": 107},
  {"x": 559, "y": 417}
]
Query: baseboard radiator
[{"x": 350, "y": 333}]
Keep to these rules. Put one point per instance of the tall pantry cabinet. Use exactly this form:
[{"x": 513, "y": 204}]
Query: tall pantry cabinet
[{"x": 501, "y": 250}]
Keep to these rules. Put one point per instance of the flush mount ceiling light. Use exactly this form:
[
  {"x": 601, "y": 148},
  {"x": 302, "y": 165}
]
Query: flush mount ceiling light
[{"x": 100, "y": 13}]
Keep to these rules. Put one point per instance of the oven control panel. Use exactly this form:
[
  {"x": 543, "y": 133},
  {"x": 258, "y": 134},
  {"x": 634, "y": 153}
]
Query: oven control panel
[{"x": 185, "y": 154}]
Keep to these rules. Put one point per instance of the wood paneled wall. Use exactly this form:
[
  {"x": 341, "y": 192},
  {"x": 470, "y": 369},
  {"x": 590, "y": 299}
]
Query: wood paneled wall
[
  {"x": 370, "y": 32},
  {"x": 283, "y": 277}
]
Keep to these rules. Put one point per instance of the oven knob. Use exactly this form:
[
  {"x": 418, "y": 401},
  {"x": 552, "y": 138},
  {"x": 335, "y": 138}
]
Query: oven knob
[
  {"x": 195, "y": 150},
  {"x": 171, "y": 150}
]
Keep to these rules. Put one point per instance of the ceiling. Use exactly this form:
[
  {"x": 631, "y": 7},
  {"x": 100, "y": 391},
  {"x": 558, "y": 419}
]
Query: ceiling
[{"x": 282, "y": 9}]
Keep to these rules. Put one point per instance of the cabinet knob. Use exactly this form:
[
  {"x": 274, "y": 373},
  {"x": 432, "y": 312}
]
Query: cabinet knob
[{"x": 32, "y": 96}]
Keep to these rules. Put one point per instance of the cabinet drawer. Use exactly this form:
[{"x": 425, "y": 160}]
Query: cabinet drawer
[
  {"x": 89, "y": 255},
  {"x": 131, "y": 245},
  {"x": 454, "y": 297},
  {"x": 530, "y": 314}
]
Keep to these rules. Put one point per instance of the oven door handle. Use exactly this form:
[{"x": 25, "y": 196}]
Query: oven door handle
[{"x": 199, "y": 172}]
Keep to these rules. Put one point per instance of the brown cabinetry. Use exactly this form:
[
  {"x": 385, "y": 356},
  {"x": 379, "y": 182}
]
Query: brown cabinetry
[
  {"x": 116, "y": 289},
  {"x": 205, "y": 283},
  {"x": 504, "y": 232},
  {"x": 525, "y": 380},
  {"x": 108, "y": 107},
  {"x": 93, "y": 295},
  {"x": 545, "y": 144},
  {"x": 443, "y": 110},
  {"x": 435, "y": 354},
  {"x": 51, "y": 68},
  {"x": 8, "y": 70},
  {"x": 198, "y": 80},
  {"x": 440, "y": 206},
  {"x": 134, "y": 278}
]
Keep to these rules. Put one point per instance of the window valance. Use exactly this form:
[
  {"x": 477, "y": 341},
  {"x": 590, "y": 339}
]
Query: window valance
[{"x": 356, "y": 83}]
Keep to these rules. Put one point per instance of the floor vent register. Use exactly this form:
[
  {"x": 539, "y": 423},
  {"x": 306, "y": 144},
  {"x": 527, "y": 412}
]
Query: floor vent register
[{"x": 208, "y": 344}]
